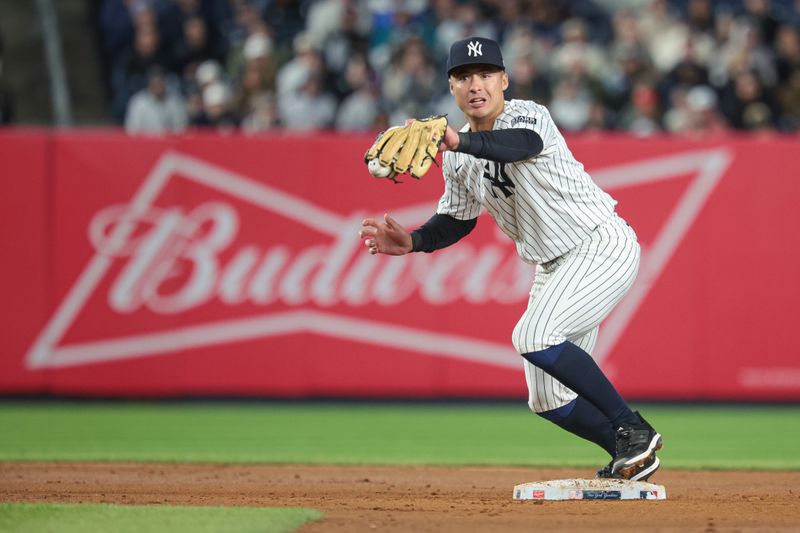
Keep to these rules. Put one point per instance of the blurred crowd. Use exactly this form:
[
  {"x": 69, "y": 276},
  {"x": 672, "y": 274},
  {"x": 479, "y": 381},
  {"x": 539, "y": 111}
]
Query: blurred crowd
[
  {"x": 6, "y": 107},
  {"x": 642, "y": 66}
]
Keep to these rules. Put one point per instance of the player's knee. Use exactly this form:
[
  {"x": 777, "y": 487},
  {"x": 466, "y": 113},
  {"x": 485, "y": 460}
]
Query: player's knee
[
  {"x": 536, "y": 407},
  {"x": 529, "y": 343},
  {"x": 546, "y": 358},
  {"x": 554, "y": 408},
  {"x": 532, "y": 346},
  {"x": 526, "y": 341}
]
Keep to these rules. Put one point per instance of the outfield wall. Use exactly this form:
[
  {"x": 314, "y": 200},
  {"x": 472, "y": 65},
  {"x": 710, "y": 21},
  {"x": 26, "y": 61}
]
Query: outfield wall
[{"x": 229, "y": 265}]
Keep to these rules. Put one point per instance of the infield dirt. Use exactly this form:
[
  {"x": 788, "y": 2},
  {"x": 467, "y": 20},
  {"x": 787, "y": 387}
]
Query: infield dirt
[{"x": 419, "y": 499}]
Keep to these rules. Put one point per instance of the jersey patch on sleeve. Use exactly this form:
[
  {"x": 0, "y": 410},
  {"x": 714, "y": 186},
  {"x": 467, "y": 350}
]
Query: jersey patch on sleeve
[{"x": 523, "y": 120}]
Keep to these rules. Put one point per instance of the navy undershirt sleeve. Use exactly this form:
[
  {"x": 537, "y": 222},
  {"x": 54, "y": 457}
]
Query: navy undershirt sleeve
[
  {"x": 440, "y": 231},
  {"x": 503, "y": 146}
]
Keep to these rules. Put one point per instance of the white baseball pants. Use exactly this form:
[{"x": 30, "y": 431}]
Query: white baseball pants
[{"x": 571, "y": 295}]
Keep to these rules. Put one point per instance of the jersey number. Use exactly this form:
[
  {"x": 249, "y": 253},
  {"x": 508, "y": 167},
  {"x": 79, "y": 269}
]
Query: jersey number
[{"x": 498, "y": 177}]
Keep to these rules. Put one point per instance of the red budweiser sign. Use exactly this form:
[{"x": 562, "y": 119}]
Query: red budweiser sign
[{"x": 233, "y": 266}]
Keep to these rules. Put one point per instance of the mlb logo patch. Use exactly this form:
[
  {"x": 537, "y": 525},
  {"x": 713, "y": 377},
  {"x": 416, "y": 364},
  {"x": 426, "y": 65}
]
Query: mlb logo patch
[{"x": 538, "y": 495}]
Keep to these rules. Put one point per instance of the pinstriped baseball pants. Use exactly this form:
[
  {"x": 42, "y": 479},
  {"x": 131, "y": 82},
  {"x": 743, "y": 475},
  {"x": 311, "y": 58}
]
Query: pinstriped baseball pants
[{"x": 571, "y": 295}]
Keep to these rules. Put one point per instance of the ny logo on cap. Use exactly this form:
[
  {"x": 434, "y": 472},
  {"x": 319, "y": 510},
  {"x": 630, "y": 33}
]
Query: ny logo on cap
[{"x": 474, "y": 49}]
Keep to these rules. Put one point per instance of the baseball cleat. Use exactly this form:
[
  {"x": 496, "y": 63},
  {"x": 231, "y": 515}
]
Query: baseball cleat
[
  {"x": 642, "y": 472},
  {"x": 635, "y": 445},
  {"x": 605, "y": 472}
]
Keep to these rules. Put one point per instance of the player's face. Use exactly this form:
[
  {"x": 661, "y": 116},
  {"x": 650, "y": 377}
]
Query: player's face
[{"x": 478, "y": 90}]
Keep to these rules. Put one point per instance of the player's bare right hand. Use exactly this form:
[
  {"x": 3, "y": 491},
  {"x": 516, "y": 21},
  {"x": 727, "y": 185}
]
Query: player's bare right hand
[{"x": 385, "y": 236}]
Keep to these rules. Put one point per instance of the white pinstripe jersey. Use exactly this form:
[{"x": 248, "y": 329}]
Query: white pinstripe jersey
[{"x": 547, "y": 204}]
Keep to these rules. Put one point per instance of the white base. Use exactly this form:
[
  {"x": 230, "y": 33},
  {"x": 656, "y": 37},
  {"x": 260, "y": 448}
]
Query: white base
[{"x": 589, "y": 489}]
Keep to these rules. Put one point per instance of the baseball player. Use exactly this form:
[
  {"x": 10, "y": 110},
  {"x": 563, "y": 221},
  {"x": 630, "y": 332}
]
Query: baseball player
[{"x": 511, "y": 160}]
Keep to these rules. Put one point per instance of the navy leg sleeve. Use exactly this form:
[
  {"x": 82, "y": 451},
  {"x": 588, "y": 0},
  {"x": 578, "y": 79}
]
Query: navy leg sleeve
[
  {"x": 577, "y": 370},
  {"x": 580, "y": 417}
]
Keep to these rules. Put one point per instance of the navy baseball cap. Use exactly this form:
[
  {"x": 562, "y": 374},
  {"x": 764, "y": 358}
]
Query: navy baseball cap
[{"x": 474, "y": 51}]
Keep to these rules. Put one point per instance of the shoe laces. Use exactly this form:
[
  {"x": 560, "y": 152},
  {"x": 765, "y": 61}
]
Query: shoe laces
[
  {"x": 624, "y": 435},
  {"x": 629, "y": 436}
]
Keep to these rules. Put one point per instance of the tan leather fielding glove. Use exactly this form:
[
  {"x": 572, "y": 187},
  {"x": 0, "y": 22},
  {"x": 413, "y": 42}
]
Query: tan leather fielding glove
[{"x": 411, "y": 148}]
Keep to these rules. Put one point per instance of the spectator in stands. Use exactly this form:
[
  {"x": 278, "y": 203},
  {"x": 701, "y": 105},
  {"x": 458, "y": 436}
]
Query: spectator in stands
[
  {"x": 599, "y": 119},
  {"x": 522, "y": 42},
  {"x": 507, "y": 18},
  {"x": 627, "y": 33},
  {"x": 571, "y": 105},
  {"x": 547, "y": 16},
  {"x": 743, "y": 52},
  {"x": 701, "y": 27},
  {"x": 747, "y": 103},
  {"x": 676, "y": 117},
  {"x": 642, "y": 115},
  {"x": 172, "y": 16},
  {"x": 591, "y": 54},
  {"x": 194, "y": 47},
  {"x": 703, "y": 118},
  {"x": 453, "y": 21},
  {"x": 6, "y": 103},
  {"x": 787, "y": 51},
  {"x": 130, "y": 72},
  {"x": 759, "y": 12},
  {"x": 789, "y": 102},
  {"x": 359, "y": 110},
  {"x": 258, "y": 76},
  {"x": 687, "y": 73},
  {"x": 347, "y": 35},
  {"x": 207, "y": 72},
  {"x": 285, "y": 17},
  {"x": 263, "y": 114},
  {"x": 410, "y": 83},
  {"x": 115, "y": 21},
  {"x": 630, "y": 67},
  {"x": 447, "y": 28},
  {"x": 527, "y": 81},
  {"x": 194, "y": 83},
  {"x": 294, "y": 73},
  {"x": 194, "y": 105},
  {"x": 325, "y": 17},
  {"x": 664, "y": 34},
  {"x": 700, "y": 17},
  {"x": 575, "y": 46},
  {"x": 393, "y": 25},
  {"x": 156, "y": 109},
  {"x": 309, "y": 109},
  {"x": 245, "y": 20},
  {"x": 217, "y": 110}
]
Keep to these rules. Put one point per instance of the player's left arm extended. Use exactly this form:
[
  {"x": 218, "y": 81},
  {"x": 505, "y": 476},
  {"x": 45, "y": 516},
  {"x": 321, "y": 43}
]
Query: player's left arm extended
[{"x": 440, "y": 231}]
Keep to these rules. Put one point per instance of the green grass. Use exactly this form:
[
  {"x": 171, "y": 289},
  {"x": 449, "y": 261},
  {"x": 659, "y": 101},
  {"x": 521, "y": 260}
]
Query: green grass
[
  {"x": 63, "y": 518},
  {"x": 444, "y": 434}
]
